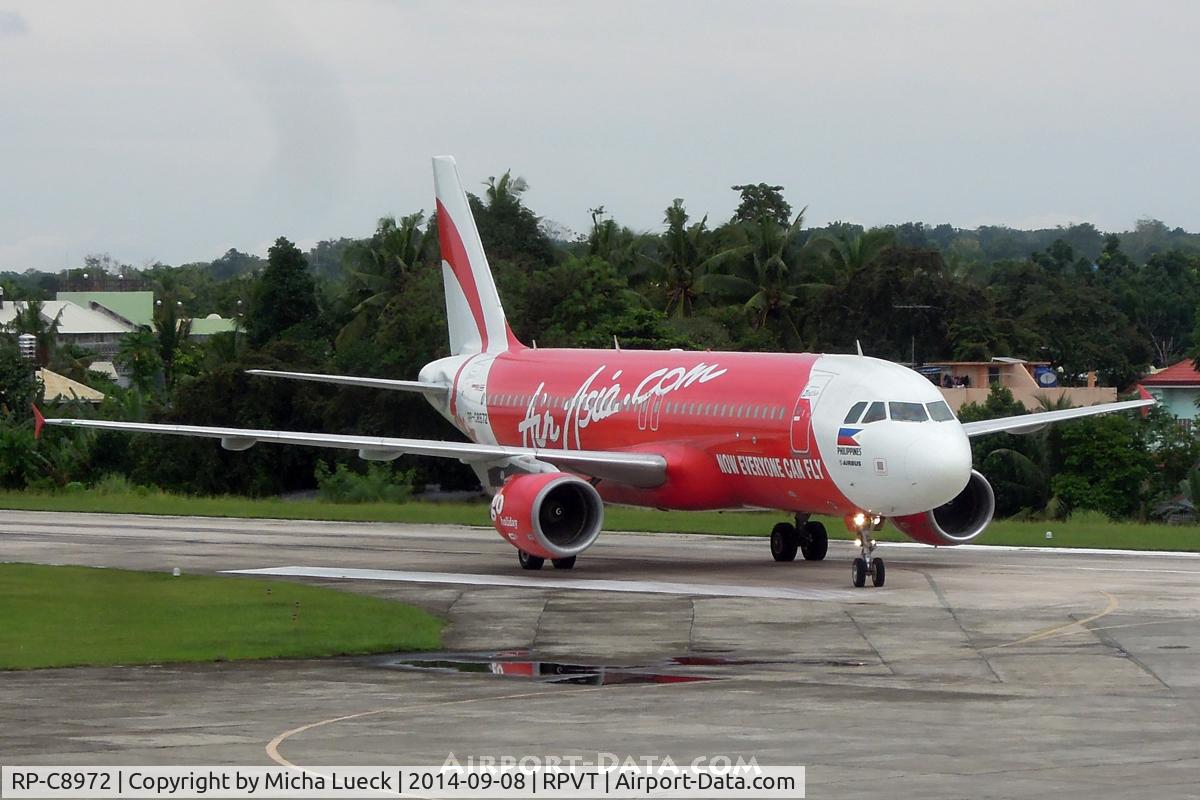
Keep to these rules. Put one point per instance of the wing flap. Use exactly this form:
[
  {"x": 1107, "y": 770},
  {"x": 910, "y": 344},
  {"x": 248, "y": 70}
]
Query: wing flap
[
  {"x": 643, "y": 470},
  {"x": 1029, "y": 423}
]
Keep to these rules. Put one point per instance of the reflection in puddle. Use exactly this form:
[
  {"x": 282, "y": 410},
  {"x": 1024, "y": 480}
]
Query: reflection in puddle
[
  {"x": 723, "y": 661},
  {"x": 510, "y": 665},
  {"x": 519, "y": 664}
]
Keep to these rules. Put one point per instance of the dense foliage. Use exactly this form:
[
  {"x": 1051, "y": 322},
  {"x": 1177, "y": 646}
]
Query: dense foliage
[{"x": 1075, "y": 297}]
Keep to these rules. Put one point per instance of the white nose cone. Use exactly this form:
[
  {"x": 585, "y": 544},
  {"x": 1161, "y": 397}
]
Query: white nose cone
[{"x": 938, "y": 467}]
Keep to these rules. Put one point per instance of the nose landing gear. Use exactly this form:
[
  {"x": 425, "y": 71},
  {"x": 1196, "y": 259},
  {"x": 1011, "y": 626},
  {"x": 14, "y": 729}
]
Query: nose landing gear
[{"x": 862, "y": 526}]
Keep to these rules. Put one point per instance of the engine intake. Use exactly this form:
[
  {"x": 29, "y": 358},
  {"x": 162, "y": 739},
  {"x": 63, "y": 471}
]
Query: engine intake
[
  {"x": 956, "y": 522},
  {"x": 550, "y": 515}
]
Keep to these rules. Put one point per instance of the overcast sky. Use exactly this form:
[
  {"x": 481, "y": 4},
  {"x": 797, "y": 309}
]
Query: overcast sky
[{"x": 172, "y": 131}]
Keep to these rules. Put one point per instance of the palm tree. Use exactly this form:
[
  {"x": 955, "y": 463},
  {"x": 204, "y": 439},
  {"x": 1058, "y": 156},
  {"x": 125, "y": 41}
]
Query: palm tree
[
  {"x": 505, "y": 190},
  {"x": 850, "y": 255},
  {"x": 171, "y": 330},
  {"x": 771, "y": 281},
  {"x": 619, "y": 246},
  {"x": 684, "y": 260},
  {"x": 379, "y": 270},
  {"x": 138, "y": 355},
  {"x": 30, "y": 319},
  {"x": 1027, "y": 473}
]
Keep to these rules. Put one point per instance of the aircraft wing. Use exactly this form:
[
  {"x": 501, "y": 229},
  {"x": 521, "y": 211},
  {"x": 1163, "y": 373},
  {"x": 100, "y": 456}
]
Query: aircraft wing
[
  {"x": 643, "y": 470},
  {"x": 352, "y": 380},
  {"x": 1028, "y": 423}
]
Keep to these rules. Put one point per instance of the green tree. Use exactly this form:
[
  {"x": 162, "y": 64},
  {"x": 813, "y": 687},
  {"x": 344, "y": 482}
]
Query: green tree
[
  {"x": 770, "y": 280},
  {"x": 171, "y": 332},
  {"x": 234, "y": 263},
  {"x": 30, "y": 318},
  {"x": 684, "y": 257},
  {"x": 762, "y": 201},
  {"x": 619, "y": 246},
  {"x": 849, "y": 255},
  {"x": 284, "y": 297},
  {"x": 584, "y": 303},
  {"x": 379, "y": 270},
  {"x": 1105, "y": 466},
  {"x": 509, "y": 230},
  {"x": 18, "y": 387},
  {"x": 138, "y": 355}
]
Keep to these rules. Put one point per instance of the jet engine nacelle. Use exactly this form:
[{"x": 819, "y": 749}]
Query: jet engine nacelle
[
  {"x": 549, "y": 515},
  {"x": 956, "y": 522}
]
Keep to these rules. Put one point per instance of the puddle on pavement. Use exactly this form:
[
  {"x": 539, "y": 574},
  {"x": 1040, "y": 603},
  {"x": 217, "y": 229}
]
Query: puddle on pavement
[{"x": 521, "y": 666}]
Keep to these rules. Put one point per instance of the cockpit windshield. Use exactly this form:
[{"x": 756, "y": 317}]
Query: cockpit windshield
[
  {"x": 898, "y": 411},
  {"x": 940, "y": 411},
  {"x": 907, "y": 412},
  {"x": 855, "y": 412},
  {"x": 875, "y": 413}
]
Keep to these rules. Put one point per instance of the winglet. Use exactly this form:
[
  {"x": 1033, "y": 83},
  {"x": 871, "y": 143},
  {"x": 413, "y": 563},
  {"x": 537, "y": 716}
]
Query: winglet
[
  {"x": 39, "y": 421},
  {"x": 1142, "y": 393}
]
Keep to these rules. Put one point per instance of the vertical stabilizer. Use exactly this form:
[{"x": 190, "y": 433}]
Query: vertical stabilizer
[{"x": 473, "y": 311}]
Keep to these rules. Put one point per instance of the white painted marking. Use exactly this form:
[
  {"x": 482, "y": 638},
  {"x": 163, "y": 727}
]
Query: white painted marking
[
  {"x": 1098, "y": 569},
  {"x": 645, "y": 587},
  {"x": 1008, "y": 548}
]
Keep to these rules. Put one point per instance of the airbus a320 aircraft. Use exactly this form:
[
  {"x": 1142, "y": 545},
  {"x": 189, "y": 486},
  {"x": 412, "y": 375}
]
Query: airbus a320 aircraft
[{"x": 556, "y": 433}]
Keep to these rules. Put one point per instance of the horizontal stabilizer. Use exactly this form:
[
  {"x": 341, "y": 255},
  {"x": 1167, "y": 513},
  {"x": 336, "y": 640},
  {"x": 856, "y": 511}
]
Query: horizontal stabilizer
[
  {"x": 352, "y": 380},
  {"x": 1029, "y": 423}
]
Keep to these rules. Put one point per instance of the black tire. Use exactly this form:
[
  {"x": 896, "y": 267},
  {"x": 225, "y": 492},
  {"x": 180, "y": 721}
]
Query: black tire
[
  {"x": 785, "y": 541},
  {"x": 564, "y": 563},
  {"x": 877, "y": 572},
  {"x": 817, "y": 546},
  {"x": 858, "y": 573},
  {"x": 528, "y": 561}
]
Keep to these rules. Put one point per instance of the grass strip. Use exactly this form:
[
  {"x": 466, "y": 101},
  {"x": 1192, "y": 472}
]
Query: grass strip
[{"x": 73, "y": 616}]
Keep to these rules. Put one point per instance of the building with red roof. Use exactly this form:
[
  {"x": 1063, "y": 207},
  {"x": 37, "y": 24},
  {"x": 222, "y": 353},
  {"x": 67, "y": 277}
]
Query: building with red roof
[{"x": 1176, "y": 388}]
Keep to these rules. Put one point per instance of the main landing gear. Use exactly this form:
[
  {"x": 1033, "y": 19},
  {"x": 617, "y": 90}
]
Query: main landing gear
[
  {"x": 529, "y": 561},
  {"x": 862, "y": 526},
  {"x": 806, "y": 537}
]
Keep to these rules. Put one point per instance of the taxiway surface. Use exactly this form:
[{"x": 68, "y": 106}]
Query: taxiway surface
[{"x": 973, "y": 673}]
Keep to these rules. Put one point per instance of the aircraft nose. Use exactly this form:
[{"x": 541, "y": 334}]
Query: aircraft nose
[{"x": 939, "y": 466}]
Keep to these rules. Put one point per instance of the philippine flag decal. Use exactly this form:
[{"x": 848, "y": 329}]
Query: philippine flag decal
[{"x": 846, "y": 437}]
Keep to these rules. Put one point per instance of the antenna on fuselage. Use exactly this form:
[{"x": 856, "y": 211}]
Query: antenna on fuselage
[
  {"x": 858, "y": 346},
  {"x": 616, "y": 344},
  {"x": 535, "y": 344}
]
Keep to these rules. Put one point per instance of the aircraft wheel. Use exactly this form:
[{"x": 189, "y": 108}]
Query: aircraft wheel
[
  {"x": 818, "y": 542},
  {"x": 564, "y": 563},
  {"x": 877, "y": 573},
  {"x": 858, "y": 573},
  {"x": 529, "y": 561},
  {"x": 785, "y": 541}
]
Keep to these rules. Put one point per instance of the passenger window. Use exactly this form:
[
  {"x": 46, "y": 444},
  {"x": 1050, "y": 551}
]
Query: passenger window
[
  {"x": 907, "y": 412},
  {"x": 875, "y": 413},
  {"x": 940, "y": 411},
  {"x": 855, "y": 412}
]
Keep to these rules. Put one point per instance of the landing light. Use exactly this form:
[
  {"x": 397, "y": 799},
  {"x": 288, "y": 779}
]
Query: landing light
[{"x": 860, "y": 519}]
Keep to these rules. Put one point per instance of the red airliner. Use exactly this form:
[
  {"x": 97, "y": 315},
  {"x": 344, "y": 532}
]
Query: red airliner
[{"x": 556, "y": 433}]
